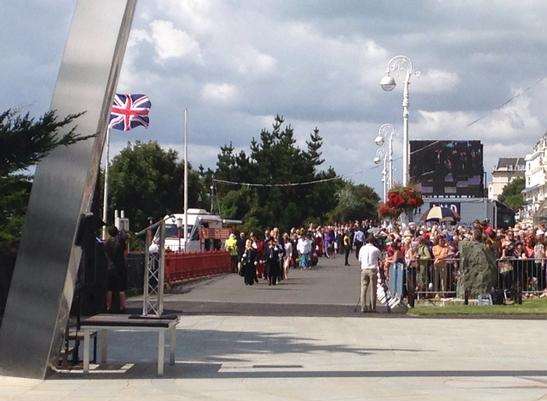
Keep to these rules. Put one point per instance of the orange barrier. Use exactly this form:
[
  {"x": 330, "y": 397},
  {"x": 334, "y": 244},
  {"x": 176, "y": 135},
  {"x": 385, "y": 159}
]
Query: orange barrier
[{"x": 181, "y": 266}]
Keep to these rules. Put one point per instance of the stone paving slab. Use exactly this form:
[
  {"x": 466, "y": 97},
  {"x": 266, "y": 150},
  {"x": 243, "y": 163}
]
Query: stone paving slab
[{"x": 315, "y": 358}]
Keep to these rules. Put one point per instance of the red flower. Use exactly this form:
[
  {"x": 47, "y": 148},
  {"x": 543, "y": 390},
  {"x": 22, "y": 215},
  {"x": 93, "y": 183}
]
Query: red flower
[
  {"x": 412, "y": 202},
  {"x": 396, "y": 200}
]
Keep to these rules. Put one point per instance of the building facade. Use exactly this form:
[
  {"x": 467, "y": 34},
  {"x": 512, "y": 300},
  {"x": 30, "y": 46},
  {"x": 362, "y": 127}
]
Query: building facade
[
  {"x": 507, "y": 170},
  {"x": 535, "y": 189}
]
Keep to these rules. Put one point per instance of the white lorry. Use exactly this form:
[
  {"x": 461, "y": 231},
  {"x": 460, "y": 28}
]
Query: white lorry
[{"x": 197, "y": 219}]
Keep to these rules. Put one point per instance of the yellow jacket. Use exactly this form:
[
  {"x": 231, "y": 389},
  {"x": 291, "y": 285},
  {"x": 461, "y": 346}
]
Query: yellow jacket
[{"x": 231, "y": 246}]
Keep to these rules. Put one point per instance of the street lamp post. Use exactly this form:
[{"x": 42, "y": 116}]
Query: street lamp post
[
  {"x": 180, "y": 224},
  {"x": 386, "y": 132},
  {"x": 400, "y": 67},
  {"x": 381, "y": 155}
]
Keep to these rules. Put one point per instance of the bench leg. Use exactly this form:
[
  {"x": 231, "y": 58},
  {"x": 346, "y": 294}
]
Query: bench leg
[
  {"x": 161, "y": 351},
  {"x": 103, "y": 345},
  {"x": 86, "y": 351},
  {"x": 173, "y": 346},
  {"x": 95, "y": 348}
]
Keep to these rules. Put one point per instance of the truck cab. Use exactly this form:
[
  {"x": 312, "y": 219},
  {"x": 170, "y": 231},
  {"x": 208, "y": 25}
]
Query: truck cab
[{"x": 175, "y": 238}]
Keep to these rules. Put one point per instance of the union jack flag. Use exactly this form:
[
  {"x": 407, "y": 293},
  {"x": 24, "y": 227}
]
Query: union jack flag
[{"x": 129, "y": 111}]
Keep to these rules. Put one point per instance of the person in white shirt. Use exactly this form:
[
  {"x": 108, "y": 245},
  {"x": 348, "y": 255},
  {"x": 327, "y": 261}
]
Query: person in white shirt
[
  {"x": 369, "y": 257},
  {"x": 303, "y": 247}
]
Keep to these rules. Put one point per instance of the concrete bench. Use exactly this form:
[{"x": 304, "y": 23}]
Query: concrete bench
[{"x": 103, "y": 322}]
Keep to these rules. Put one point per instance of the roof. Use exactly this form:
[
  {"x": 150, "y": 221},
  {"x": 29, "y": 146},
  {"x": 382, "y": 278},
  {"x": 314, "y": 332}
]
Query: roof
[
  {"x": 504, "y": 162},
  {"x": 532, "y": 188}
]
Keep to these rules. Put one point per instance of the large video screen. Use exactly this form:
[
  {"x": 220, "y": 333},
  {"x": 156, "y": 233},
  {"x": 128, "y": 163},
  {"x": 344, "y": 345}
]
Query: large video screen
[{"x": 441, "y": 168}]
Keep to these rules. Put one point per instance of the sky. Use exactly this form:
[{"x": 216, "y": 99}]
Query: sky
[{"x": 236, "y": 64}]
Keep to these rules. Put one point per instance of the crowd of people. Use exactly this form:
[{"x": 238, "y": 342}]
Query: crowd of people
[
  {"x": 415, "y": 260},
  {"x": 434, "y": 251},
  {"x": 271, "y": 255}
]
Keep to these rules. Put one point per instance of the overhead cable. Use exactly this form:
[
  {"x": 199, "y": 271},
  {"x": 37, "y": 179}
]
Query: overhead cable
[{"x": 288, "y": 184}]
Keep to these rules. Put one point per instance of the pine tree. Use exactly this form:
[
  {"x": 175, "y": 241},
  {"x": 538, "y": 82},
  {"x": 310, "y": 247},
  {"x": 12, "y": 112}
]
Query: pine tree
[
  {"x": 276, "y": 159},
  {"x": 24, "y": 141},
  {"x": 314, "y": 147}
]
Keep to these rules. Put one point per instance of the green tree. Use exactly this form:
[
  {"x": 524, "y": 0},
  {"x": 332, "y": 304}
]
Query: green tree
[
  {"x": 15, "y": 191},
  {"x": 512, "y": 194},
  {"x": 24, "y": 141},
  {"x": 355, "y": 202},
  {"x": 275, "y": 158},
  {"x": 147, "y": 181}
]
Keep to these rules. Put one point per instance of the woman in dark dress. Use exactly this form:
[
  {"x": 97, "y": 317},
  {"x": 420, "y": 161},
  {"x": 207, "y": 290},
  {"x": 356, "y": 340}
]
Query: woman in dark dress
[
  {"x": 258, "y": 246},
  {"x": 271, "y": 257},
  {"x": 249, "y": 262},
  {"x": 114, "y": 249}
]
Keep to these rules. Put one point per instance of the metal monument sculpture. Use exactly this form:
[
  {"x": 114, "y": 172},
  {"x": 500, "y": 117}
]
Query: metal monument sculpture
[{"x": 47, "y": 264}]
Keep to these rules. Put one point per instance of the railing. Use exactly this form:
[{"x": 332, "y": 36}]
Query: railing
[
  {"x": 515, "y": 276},
  {"x": 526, "y": 276},
  {"x": 436, "y": 279},
  {"x": 184, "y": 266}
]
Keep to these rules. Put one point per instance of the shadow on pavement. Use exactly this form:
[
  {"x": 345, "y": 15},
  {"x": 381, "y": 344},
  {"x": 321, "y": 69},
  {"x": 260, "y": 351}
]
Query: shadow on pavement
[{"x": 208, "y": 350}]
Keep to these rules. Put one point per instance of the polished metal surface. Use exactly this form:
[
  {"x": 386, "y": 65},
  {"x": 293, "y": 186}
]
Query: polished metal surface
[{"x": 43, "y": 282}]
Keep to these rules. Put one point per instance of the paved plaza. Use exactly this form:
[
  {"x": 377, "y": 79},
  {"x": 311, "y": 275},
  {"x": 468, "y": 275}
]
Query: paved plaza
[
  {"x": 328, "y": 290},
  {"x": 334, "y": 356}
]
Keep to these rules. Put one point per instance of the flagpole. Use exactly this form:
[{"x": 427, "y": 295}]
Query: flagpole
[
  {"x": 105, "y": 195},
  {"x": 185, "y": 179}
]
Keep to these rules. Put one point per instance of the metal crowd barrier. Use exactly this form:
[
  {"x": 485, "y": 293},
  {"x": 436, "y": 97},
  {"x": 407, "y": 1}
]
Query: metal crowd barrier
[
  {"x": 526, "y": 276},
  {"x": 515, "y": 276},
  {"x": 437, "y": 280}
]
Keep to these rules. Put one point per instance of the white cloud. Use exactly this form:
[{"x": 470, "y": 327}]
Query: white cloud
[
  {"x": 508, "y": 132},
  {"x": 131, "y": 77},
  {"x": 138, "y": 36},
  {"x": 223, "y": 93},
  {"x": 514, "y": 120},
  {"x": 373, "y": 59},
  {"x": 194, "y": 15},
  {"x": 251, "y": 61},
  {"x": 435, "y": 81},
  {"x": 316, "y": 64},
  {"x": 170, "y": 42}
]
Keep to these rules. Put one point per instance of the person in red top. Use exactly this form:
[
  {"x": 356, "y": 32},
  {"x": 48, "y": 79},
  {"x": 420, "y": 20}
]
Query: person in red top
[{"x": 258, "y": 246}]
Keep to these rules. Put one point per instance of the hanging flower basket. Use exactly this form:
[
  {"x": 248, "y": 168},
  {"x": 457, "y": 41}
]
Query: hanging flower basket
[{"x": 399, "y": 200}]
